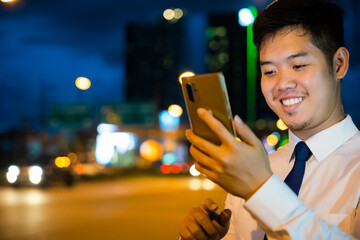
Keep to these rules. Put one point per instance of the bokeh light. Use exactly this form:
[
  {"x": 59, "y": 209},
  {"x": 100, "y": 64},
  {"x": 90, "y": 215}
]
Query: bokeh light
[
  {"x": 178, "y": 13},
  {"x": 260, "y": 124},
  {"x": 208, "y": 185},
  {"x": 169, "y": 158},
  {"x": 168, "y": 122},
  {"x": 195, "y": 184},
  {"x": 151, "y": 150},
  {"x": 173, "y": 15},
  {"x": 193, "y": 171},
  {"x": 186, "y": 74},
  {"x": 7, "y": 1},
  {"x": 281, "y": 125},
  {"x": 107, "y": 128},
  {"x": 273, "y": 139},
  {"x": 108, "y": 143},
  {"x": 82, "y": 83},
  {"x": 175, "y": 110},
  {"x": 169, "y": 14},
  {"x": 35, "y": 174},
  {"x": 246, "y": 17},
  {"x": 62, "y": 162},
  {"x": 80, "y": 168}
]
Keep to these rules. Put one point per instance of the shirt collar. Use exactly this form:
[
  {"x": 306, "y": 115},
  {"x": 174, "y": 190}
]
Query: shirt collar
[{"x": 328, "y": 140}]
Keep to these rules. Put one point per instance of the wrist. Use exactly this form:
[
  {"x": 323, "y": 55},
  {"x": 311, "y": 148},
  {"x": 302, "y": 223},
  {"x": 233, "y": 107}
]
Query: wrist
[{"x": 258, "y": 184}]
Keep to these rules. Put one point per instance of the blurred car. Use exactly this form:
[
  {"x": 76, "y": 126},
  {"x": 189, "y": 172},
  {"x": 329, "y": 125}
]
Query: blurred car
[{"x": 36, "y": 175}]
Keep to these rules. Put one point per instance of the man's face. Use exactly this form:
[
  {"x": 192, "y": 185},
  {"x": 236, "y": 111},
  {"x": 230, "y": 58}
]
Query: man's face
[{"x": 297, "y": 83}]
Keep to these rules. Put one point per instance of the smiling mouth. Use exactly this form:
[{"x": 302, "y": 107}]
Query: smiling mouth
[{"x": 292, "y": 101}]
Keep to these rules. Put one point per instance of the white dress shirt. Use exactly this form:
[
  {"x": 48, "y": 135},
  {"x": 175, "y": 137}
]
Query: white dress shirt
[{"x": 328, "y": 203}]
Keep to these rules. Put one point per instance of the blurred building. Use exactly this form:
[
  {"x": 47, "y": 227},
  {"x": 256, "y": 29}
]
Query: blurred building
[
  {"x": 152, "y": 62},
  {"x": 227, "y": 49}
]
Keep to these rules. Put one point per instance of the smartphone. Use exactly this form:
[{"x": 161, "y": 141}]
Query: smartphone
[{"x": 207, "y": 91}]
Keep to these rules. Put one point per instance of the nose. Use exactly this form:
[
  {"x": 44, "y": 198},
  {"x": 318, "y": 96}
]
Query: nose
[{"x": 285, "y": 81}]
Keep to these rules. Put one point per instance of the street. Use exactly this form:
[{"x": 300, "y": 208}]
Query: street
[{"x": 128, "y": 209}]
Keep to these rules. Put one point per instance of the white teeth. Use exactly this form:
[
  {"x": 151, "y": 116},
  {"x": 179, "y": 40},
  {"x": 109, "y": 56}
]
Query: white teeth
[{"x": 292, "y": 101}]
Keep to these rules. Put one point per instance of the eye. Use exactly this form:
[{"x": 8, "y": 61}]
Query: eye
[
  {"x": 299, "y": 66},
  {"x": 268, "y": 72}
]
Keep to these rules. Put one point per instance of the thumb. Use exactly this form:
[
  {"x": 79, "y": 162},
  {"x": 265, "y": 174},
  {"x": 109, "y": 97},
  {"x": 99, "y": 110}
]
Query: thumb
[
  {"x": 244, "y": 132},
  {"x": 225, "y": 217}
]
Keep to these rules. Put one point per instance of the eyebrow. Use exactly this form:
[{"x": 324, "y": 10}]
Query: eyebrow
[{"x": 300, "y": 54}]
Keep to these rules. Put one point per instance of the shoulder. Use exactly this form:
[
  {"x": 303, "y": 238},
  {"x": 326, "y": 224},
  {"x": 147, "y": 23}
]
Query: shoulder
[
  {"x": 282, "y": 153},
  {"x": 351, "y": 148}
]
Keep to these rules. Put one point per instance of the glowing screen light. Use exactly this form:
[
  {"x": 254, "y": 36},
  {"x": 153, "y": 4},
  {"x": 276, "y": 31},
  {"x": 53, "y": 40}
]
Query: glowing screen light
[
  {"x": 246, "y": 17},
  {"x": 151, "y": 150},
  {"x": 281, "y": 125},
  {"x": 175, "y": 110},
  {"x": 186, "y": 74},
  {"x": 168, "y": 122},
  {"x": 82, "y": 83}
]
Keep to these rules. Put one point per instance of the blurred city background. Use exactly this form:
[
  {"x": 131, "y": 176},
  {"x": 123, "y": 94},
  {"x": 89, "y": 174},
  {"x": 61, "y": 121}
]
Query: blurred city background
[{"x": 92, "y": 116}]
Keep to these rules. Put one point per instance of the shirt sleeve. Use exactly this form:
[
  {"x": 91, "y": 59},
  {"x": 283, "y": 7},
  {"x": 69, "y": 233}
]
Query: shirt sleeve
[{"x": 281, "y": 214}]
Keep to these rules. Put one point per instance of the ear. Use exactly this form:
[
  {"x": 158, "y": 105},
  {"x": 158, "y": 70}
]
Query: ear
[{"x": 341, "y": 62}]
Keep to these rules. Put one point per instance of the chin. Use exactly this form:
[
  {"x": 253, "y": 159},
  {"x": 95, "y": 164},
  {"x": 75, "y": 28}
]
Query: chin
[{"x": 297, "y": 126}]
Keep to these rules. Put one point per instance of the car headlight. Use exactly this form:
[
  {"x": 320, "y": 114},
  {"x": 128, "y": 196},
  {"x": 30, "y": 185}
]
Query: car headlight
[
  {"x": 12, "y": 174},
  {"x": 35, "y": 174}
]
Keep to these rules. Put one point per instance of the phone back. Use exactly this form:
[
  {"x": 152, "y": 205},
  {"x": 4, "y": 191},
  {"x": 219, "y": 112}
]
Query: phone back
[{"x": 207, "y": 91}]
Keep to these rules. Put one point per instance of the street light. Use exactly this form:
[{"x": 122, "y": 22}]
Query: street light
[
  {"x": 246, "y": 19},
  {"x": 82, "y": 83}
]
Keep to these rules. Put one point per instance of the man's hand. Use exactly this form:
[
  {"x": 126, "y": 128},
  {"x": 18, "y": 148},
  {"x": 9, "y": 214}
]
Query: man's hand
[
  {"x": 238, "y": 167},
  {"x": 204, "y": 223}
]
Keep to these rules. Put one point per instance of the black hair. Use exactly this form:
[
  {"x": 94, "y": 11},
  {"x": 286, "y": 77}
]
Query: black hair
[{"x": 322, "y": 20}]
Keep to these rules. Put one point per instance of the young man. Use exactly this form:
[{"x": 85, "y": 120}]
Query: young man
[{"x": 310, "y": 188}]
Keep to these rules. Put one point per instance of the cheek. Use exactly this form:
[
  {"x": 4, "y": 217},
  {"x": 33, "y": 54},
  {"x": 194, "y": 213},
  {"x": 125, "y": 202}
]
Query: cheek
[{"x": 267, "y": 90}]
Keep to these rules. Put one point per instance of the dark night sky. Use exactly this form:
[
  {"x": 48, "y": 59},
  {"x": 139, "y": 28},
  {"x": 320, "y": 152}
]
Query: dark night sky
[{"x": 46, "y": 44}]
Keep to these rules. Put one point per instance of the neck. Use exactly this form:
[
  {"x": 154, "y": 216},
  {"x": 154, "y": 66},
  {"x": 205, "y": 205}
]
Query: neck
[{"x": 330, "y": 121}]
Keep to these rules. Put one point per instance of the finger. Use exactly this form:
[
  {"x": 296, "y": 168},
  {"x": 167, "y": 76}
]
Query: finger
[
  {"x": 186, "y": 235},
  {"x": 208, "y": 173},
  {"x": 209, "y": 205},
  {"x": 205, "y": 222},
  {"x": 205, "y": 160},
  {"x": 244, "y": 132},
  {"x": 225, "y": 217},
  {"x": 216, "y": 126},
  {"x": 222, "y": 225},
  {"x": 202, "y": 144},
  {"x": 194, "y": 227}
]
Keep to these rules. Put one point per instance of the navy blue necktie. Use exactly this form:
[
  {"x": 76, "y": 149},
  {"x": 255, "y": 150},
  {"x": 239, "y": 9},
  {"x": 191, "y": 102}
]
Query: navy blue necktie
[{"x": 295, "y": 177}]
